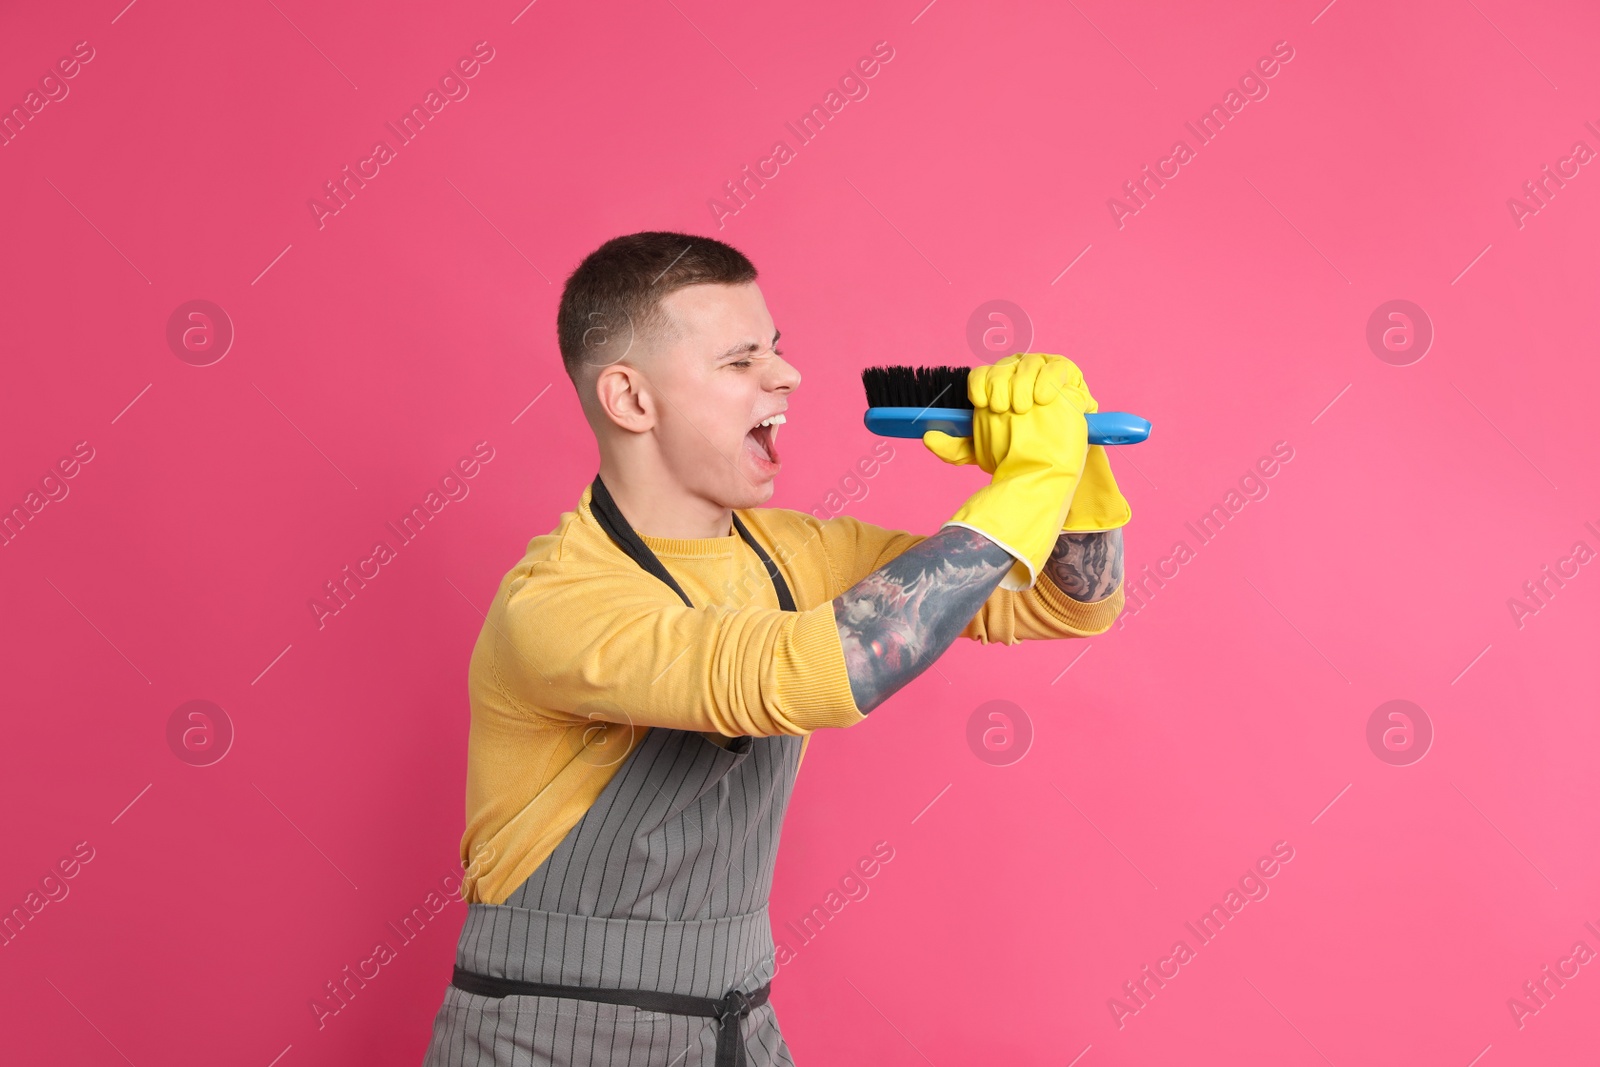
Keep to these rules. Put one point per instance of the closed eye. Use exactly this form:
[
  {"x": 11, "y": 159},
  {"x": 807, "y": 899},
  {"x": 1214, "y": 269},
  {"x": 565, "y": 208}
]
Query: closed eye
[{"x": 747, "y": 362}]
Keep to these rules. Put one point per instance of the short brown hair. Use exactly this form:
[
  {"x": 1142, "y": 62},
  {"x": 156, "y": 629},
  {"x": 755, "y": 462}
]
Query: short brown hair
[{"x": 615, "y": 294}]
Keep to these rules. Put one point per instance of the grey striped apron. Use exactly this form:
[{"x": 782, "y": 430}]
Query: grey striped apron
[{"x": 643, "y": 939}]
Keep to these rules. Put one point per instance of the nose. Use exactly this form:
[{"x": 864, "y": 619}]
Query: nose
[{"x": 783, "y": 375}]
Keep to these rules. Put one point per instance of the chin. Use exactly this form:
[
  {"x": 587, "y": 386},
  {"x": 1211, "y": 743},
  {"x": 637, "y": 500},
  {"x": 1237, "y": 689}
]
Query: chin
[{"x": 752, "y": 496}]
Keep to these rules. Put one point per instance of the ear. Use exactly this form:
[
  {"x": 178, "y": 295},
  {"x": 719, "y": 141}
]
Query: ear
[{"x": 621, "y": 392}]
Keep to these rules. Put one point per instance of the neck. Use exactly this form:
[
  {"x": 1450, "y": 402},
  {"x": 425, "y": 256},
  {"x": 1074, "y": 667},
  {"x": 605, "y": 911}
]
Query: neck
[{"x": 656, "y": 504}]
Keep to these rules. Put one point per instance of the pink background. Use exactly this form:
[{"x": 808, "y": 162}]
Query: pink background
[{"x": 1225, "y": 716}]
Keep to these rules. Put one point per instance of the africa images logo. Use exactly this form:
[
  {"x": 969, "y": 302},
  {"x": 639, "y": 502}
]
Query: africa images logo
[
  {"x": 452, "y": 87},
  {"x": 1252, "y": 87},
  {"x": 852, "y": 86}
]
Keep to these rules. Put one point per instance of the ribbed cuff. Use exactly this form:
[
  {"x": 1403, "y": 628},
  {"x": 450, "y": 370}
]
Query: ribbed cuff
[
  {"x": 1083, "y": 619},
  {"x": 813, "y": 680}
]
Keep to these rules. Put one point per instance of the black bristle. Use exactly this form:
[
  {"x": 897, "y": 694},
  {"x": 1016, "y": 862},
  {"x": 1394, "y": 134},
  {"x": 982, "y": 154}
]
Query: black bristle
[{"x": 916, "y": 387}]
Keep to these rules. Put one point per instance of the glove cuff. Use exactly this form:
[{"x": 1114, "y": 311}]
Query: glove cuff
[
  {"x": 1098, "y": 523},
  {"x": 1098, "y": 505},
  {"x": 1021, "y": 575}
]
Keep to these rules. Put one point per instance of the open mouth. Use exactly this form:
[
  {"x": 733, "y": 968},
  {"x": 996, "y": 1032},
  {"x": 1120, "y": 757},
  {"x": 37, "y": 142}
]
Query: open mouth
[{"x": 762, "y": 439}]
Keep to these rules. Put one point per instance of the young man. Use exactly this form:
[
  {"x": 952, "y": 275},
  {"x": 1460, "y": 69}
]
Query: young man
[{"x": 649, "y": 674}]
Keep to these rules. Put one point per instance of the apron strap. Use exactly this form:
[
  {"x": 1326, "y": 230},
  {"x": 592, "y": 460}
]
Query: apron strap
[
  {"x": 729, "y": 1010},
  {"x": 785, "y": 601},
  {"x": 610, "y": 517}
]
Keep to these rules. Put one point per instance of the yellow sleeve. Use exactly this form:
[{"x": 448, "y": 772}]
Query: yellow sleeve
[
  {"x": 573, "y": 643},
  {"x": 855, "y": 549},
  {"x": 1040, "y": 614}
]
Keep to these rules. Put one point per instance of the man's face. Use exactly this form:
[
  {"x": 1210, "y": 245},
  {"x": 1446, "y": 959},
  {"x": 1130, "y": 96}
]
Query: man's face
[{"x": 713, "y": 382}]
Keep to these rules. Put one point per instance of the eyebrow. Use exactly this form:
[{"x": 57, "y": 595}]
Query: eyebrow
[{"x": 749, "y": 346}]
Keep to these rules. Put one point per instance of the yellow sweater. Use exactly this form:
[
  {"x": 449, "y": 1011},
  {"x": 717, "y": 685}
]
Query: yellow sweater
[{"x": 583, "y": 650}]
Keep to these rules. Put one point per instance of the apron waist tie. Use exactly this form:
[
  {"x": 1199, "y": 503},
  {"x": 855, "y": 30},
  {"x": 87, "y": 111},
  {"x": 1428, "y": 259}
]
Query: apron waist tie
[{"x": 728, "y": 1010}]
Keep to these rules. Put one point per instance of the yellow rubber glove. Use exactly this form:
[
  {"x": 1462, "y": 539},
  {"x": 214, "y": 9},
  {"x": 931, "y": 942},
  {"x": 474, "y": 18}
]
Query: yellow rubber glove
[
  {"x": 1028, "y": 432},
  {"x": 1098, "y": 504}
]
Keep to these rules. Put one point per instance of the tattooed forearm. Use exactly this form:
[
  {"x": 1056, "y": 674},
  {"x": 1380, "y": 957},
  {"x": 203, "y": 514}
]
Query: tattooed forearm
[
  {"x": 900, "y": 618},
  {"x": 1088, "y": 566}
]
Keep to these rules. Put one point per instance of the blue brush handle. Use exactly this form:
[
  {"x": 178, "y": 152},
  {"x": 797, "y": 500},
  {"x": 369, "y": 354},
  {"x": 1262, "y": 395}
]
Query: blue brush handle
[{"x": 1105, "y": 427}]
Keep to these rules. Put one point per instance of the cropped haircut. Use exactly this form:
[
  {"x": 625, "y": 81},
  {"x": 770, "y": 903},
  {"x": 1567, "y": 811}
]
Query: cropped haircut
[{"x": 612, "y": 301}]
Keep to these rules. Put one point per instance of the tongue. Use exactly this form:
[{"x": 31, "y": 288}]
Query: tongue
[{"x": 761, "y": 436}]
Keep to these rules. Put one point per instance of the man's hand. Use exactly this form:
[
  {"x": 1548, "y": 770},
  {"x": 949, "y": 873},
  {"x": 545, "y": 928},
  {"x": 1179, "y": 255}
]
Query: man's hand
[
  {"x": 1028, "y": 432},
  {"x": 1015, "y": 383},
  {"x": 1097, "y": 503}
]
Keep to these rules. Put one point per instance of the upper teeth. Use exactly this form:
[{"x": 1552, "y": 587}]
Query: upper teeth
[{"x": 773, "y": 420}]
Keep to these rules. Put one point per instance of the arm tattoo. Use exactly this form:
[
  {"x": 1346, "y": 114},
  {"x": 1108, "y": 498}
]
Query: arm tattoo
[
  {"x": 1086, "y": 566},
  {"x": 900, "y": 618}
]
